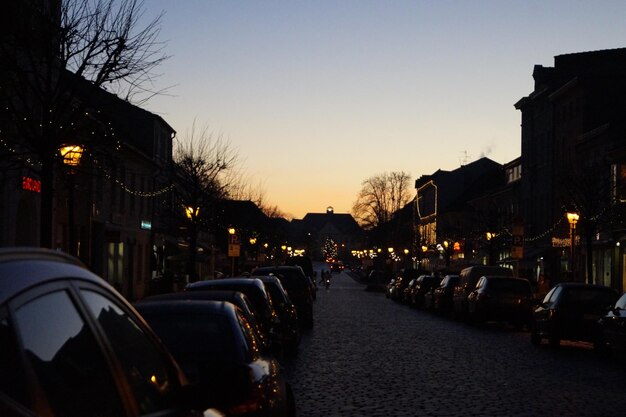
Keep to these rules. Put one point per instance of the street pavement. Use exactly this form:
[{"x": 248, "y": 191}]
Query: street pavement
[{"x": 370, "y": 356}]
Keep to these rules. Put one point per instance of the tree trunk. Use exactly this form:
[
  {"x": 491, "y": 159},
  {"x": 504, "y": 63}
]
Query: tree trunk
[{"x": 193, "y": 243}]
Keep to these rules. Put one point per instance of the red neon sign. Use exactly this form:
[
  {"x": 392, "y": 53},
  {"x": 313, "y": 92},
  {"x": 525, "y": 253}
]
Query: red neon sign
[{"x": 31, "y": 184}]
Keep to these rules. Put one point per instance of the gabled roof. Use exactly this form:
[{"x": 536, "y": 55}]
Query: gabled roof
[{"x": 342, "y": 222}]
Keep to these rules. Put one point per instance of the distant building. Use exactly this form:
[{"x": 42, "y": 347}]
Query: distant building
[
  {"x": 447, "y": 226},
  {"x": 316, "y": 228}
]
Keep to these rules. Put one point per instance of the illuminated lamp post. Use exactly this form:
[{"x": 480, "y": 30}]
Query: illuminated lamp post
[
  {"x": 71, "y": 155},
  {"x": 192, "y": 214},
  {"x": 233, "y": 248},
  {"x": 490, "y": 237},
  {"x": 572, "y": 218}
]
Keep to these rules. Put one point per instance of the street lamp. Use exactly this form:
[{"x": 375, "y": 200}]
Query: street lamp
[
  {"x": 192, "y": 212},
  {"x": 71, "y": 155},
  {"x": 490, "y": 241},
  {"x": 233, "y": 248},
  {"x": 572, "y": 218}
]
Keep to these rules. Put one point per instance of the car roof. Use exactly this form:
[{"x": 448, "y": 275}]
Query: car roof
[
  {"x": 276, "y": 268},
  {"x": 266, "y": 278},
  {"x": 581, "y": 285},
  {"x": 22, "y": 268},
  {"x": 163, "y": 306},
  {"x": 504, "y": 277},
  {"x": 214, "y": 295},
  {"x": 226, "y": 282}
]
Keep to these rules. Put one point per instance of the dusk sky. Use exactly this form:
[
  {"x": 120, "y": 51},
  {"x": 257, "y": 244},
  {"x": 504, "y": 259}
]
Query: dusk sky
[{"x": 317, "y": 96}]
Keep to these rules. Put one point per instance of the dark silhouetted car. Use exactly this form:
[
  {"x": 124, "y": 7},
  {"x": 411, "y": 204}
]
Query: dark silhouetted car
[
  {"x": 408, "y": 291},
  {"x": 235, "y": 297},
  {"x": 389, "y": 287},
  {"x": 254, "y": 289},
  {"x": 71, "y": 346},
  {"x": 502, "y": 299},
  {"x": 442, "y": 295},
  {"x": 306, "y": 264},
  {"x": 298, "y": 287},
  {"x": 288, "y": 327},
  {"x": 425, "y": 284},
  {"x": 336, "y": 266},
  {"x": 468, "y": 278},
  {"x": 401, "y": 281},
  {"x": 217, "y": 347},
  {"x": 571, "y": 311},
  {"x": 613, "y": 326}
]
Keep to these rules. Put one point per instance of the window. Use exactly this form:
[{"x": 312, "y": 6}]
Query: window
[
  {"x": 11, "y": 378},
  {"x": 146, "y": 368},
  {"x": 69, "y": 364}
]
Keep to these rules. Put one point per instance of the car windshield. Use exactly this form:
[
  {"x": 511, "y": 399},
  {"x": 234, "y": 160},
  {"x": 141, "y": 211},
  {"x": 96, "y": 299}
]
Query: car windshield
[
  {"x": 195, "y": 337},
  {"x": 589, "y": 297},
  {"x": 508, "y": 285},
  {"x": 278, "y": 297}
]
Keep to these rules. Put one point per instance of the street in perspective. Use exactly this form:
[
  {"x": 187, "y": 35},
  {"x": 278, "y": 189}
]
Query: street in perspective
[{"x": 370, "y": 356}]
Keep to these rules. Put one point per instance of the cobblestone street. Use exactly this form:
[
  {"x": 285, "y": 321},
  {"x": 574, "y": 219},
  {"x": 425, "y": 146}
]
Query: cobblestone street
[{"x": 370, "y": 356}]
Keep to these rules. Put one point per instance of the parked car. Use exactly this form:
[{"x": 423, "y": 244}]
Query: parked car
[
  {"x": 408, "y": 290},
  {"x": 256, "y": 293},
  {"x": 306, "y": 264},
  {"x": 502, "y": 299},
  {"x": 389, "y": 287},
  {"x": 217, "y": 347},
  {"x": 401, "y": 281},
  {"x": 442, "y": 295},
  {"x": 71, "y": 345},
  {"x": 298, "y": 287},
  {"x": 613, "y": 326},
  {"x": 425, "y": 284},
  {"x": 288, "y": 326},
  {"x": 468, "y": 278},
  {"x": 235, "y": 297},
  {"x": 571, "y": 311}
]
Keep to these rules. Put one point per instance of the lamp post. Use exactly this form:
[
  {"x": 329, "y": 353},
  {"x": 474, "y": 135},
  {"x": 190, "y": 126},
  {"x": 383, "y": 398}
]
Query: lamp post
[
  {"x": 233, "y": 248},
  {"x": 71, "y": 155},
  {"x": 572, "y": 218},
  {"x": 490, "y": 237},
  {"x": 192, "y": 214}
]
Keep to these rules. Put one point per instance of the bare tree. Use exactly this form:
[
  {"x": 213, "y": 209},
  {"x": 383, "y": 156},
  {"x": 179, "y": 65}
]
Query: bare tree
[
  {"x": 202, "y": 162},
  {"x": 56, "y": 57},
  {"x": 381, "y": 196}
]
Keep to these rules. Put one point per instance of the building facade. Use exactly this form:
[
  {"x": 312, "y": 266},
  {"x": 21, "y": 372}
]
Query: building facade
[{"x": 573, "y": 130}]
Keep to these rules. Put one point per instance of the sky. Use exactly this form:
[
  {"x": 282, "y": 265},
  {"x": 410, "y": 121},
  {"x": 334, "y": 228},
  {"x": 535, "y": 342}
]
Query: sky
[{"x": 317, "y": 96}]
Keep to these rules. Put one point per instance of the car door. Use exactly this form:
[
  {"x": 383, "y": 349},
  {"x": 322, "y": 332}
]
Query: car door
[
  {"x": 544, "y": 311},
  {"x": 61, "y": 367},
  {"x": 77, "y": 351}
]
